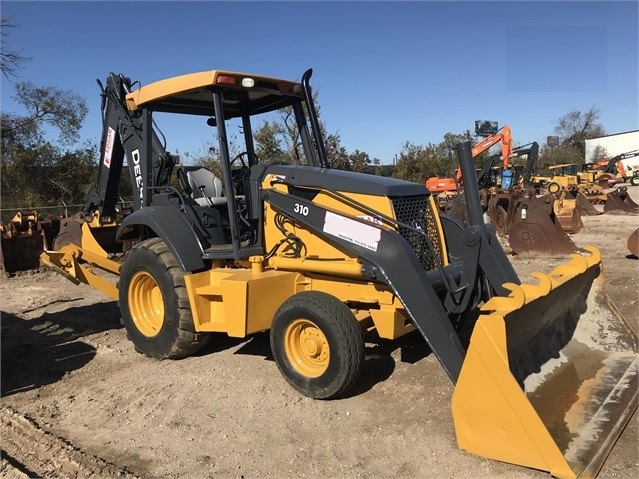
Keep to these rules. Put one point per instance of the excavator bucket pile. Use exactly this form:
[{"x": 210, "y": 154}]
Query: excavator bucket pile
[
  {"x": 23, "y": 238},
  {"x": 498, "y": 209},
  {"x": 619, "y": 201},
  {"x": 583, "y": 204},
  {"x": 593, "y": 193},
  {"x": 567, "y": 212},
  {"x": 535, "y": 228},
  {"x": 550, "y": 377}
]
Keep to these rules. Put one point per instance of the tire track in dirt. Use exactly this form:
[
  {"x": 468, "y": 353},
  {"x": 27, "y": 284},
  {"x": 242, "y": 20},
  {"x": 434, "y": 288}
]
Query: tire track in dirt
[{"x": 30, "y": 451}]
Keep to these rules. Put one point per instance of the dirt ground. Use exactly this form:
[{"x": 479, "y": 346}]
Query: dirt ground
[{"x": 78, "y": 401}]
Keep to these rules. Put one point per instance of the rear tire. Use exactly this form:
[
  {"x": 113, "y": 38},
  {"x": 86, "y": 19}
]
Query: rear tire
[
  {"x": 154, "y": 304},
  {"x": 317, "y": 344},
  {"x": 634, "y": 181},
  {"x": 554, "y": 187}
]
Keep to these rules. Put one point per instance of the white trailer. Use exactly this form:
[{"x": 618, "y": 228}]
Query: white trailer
[{"x": 613, "y": 145}]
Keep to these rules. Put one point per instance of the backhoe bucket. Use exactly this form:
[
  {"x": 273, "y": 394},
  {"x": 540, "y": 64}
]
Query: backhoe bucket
[
  {"x": 22, "y": 240},
  {"x": 550, "y": 377},
  {"x": 98, "y": 239},
  {"x": 619, "y": 201},
  {"x": 585, "y": 207},
  {"x": 535, "y": 228},
  {"x": 499, "y": 207}
]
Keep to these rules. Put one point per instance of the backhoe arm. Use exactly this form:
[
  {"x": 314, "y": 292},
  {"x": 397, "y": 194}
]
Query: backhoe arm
[{"x": 123, "y": 135}]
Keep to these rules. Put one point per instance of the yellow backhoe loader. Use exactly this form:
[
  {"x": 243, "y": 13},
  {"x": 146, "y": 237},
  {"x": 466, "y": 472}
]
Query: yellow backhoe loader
[{"x": 547, "y": 377}]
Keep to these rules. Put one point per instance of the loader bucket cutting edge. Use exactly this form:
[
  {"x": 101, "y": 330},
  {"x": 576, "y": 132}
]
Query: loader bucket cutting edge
[{"x": 550, "y": 378}]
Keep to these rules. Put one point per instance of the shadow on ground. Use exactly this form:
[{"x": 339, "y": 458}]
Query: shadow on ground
[{"x": 40, "y": 351}]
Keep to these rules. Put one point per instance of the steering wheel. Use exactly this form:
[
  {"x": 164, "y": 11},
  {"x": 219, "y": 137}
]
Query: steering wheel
[
  {"x": 241, "y": 174},
  {"x": 241, "y": 158}
]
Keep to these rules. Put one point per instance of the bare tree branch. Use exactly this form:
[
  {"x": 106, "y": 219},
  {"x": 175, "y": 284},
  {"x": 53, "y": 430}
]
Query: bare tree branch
[{"x": 10, "y": 61}]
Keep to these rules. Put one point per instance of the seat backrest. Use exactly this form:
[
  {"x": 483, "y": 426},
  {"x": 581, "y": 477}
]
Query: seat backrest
[
  {"x": 201, "y": 177},
  {"x": 206, "y": 187}
]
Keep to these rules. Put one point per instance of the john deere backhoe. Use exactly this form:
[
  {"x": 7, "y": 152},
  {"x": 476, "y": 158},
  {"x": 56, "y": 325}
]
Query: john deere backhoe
[{"x": 547, "y": 377}]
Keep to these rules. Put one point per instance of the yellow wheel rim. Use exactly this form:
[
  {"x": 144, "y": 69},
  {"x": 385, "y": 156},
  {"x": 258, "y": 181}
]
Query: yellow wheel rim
[
  {"x": 554, "y": 188},
  {"x": 307, "y": 348},
  {"x": 146, "y": 304}
]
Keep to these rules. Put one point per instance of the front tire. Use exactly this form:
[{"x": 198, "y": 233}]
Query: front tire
[
  {"x": 317, "y": 344},
  {"x": 634, "y": 181},
  {"x": 154, "y": 304}
]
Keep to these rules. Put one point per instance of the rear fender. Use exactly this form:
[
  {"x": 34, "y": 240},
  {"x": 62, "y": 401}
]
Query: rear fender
[{"x": 174, "y": 229}]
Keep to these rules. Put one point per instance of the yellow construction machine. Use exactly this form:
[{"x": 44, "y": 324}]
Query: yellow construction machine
[{"x": 546, "y": 376}]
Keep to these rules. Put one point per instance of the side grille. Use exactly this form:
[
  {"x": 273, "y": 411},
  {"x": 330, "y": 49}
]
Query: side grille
[{"x": 416, "y": 220}]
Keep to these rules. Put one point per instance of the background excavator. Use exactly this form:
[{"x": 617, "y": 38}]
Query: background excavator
[
  {"x": 451, "y": 184},
  {"x": 545, "y": 374},
  {"x": 529, "y": 223}
]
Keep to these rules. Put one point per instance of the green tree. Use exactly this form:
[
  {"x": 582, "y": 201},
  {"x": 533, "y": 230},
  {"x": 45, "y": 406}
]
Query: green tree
[
  {"x": 36, "y": 172},
  {"x": 279, "y": 140},
  {"x": 268, "y": 143},
  {"x": 336, "y": 153},
  {"x": 417, "y": 163},
  {"x": 46, "y": 107},
  {"x": 360, "y": 162},
  {"x": 573, "y": 129},
  {"x": 555, "y": 155}
]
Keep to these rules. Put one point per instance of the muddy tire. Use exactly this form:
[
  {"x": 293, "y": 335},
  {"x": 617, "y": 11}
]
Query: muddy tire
[
  {"x": 154, "y": 304},
  {"x": 317, "y": 344}
]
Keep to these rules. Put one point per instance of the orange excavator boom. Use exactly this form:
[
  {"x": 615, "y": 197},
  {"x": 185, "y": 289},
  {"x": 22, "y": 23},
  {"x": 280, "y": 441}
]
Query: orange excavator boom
[{"x": 505, "y": 137}]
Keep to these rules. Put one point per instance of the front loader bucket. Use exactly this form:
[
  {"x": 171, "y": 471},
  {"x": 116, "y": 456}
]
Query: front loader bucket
[
  {"x": 619, "y": 201},
  {"x": 550, "y": 377},
  {"x": 535, "y": 228}
]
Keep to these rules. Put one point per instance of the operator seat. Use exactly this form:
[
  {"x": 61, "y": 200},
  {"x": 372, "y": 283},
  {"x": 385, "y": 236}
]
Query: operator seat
[{"x": 206, "y": 188}]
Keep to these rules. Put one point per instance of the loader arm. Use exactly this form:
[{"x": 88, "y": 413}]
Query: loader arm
[
  {"x": 393, "y": 263},
  {"x": 388, "y": 258}
]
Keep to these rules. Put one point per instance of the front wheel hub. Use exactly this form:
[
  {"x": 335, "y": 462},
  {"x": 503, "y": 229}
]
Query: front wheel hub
[{"x": 307, "y": 348}]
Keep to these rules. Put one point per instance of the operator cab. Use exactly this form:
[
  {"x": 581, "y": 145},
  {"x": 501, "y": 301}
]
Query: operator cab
[{"x": 223, "y": 204}]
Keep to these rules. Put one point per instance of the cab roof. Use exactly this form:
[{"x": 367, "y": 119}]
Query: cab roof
[
  {"x": 563, "y": 165},
  {"x": 192, "y": 94}
]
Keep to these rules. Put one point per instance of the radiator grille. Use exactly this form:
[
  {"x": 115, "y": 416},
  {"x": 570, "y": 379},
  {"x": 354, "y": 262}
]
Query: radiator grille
[{"x": 416, "y": 212}]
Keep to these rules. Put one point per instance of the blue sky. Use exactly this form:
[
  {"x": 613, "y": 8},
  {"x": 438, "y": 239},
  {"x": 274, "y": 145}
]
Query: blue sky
[{"x": 387, "y": 72}]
